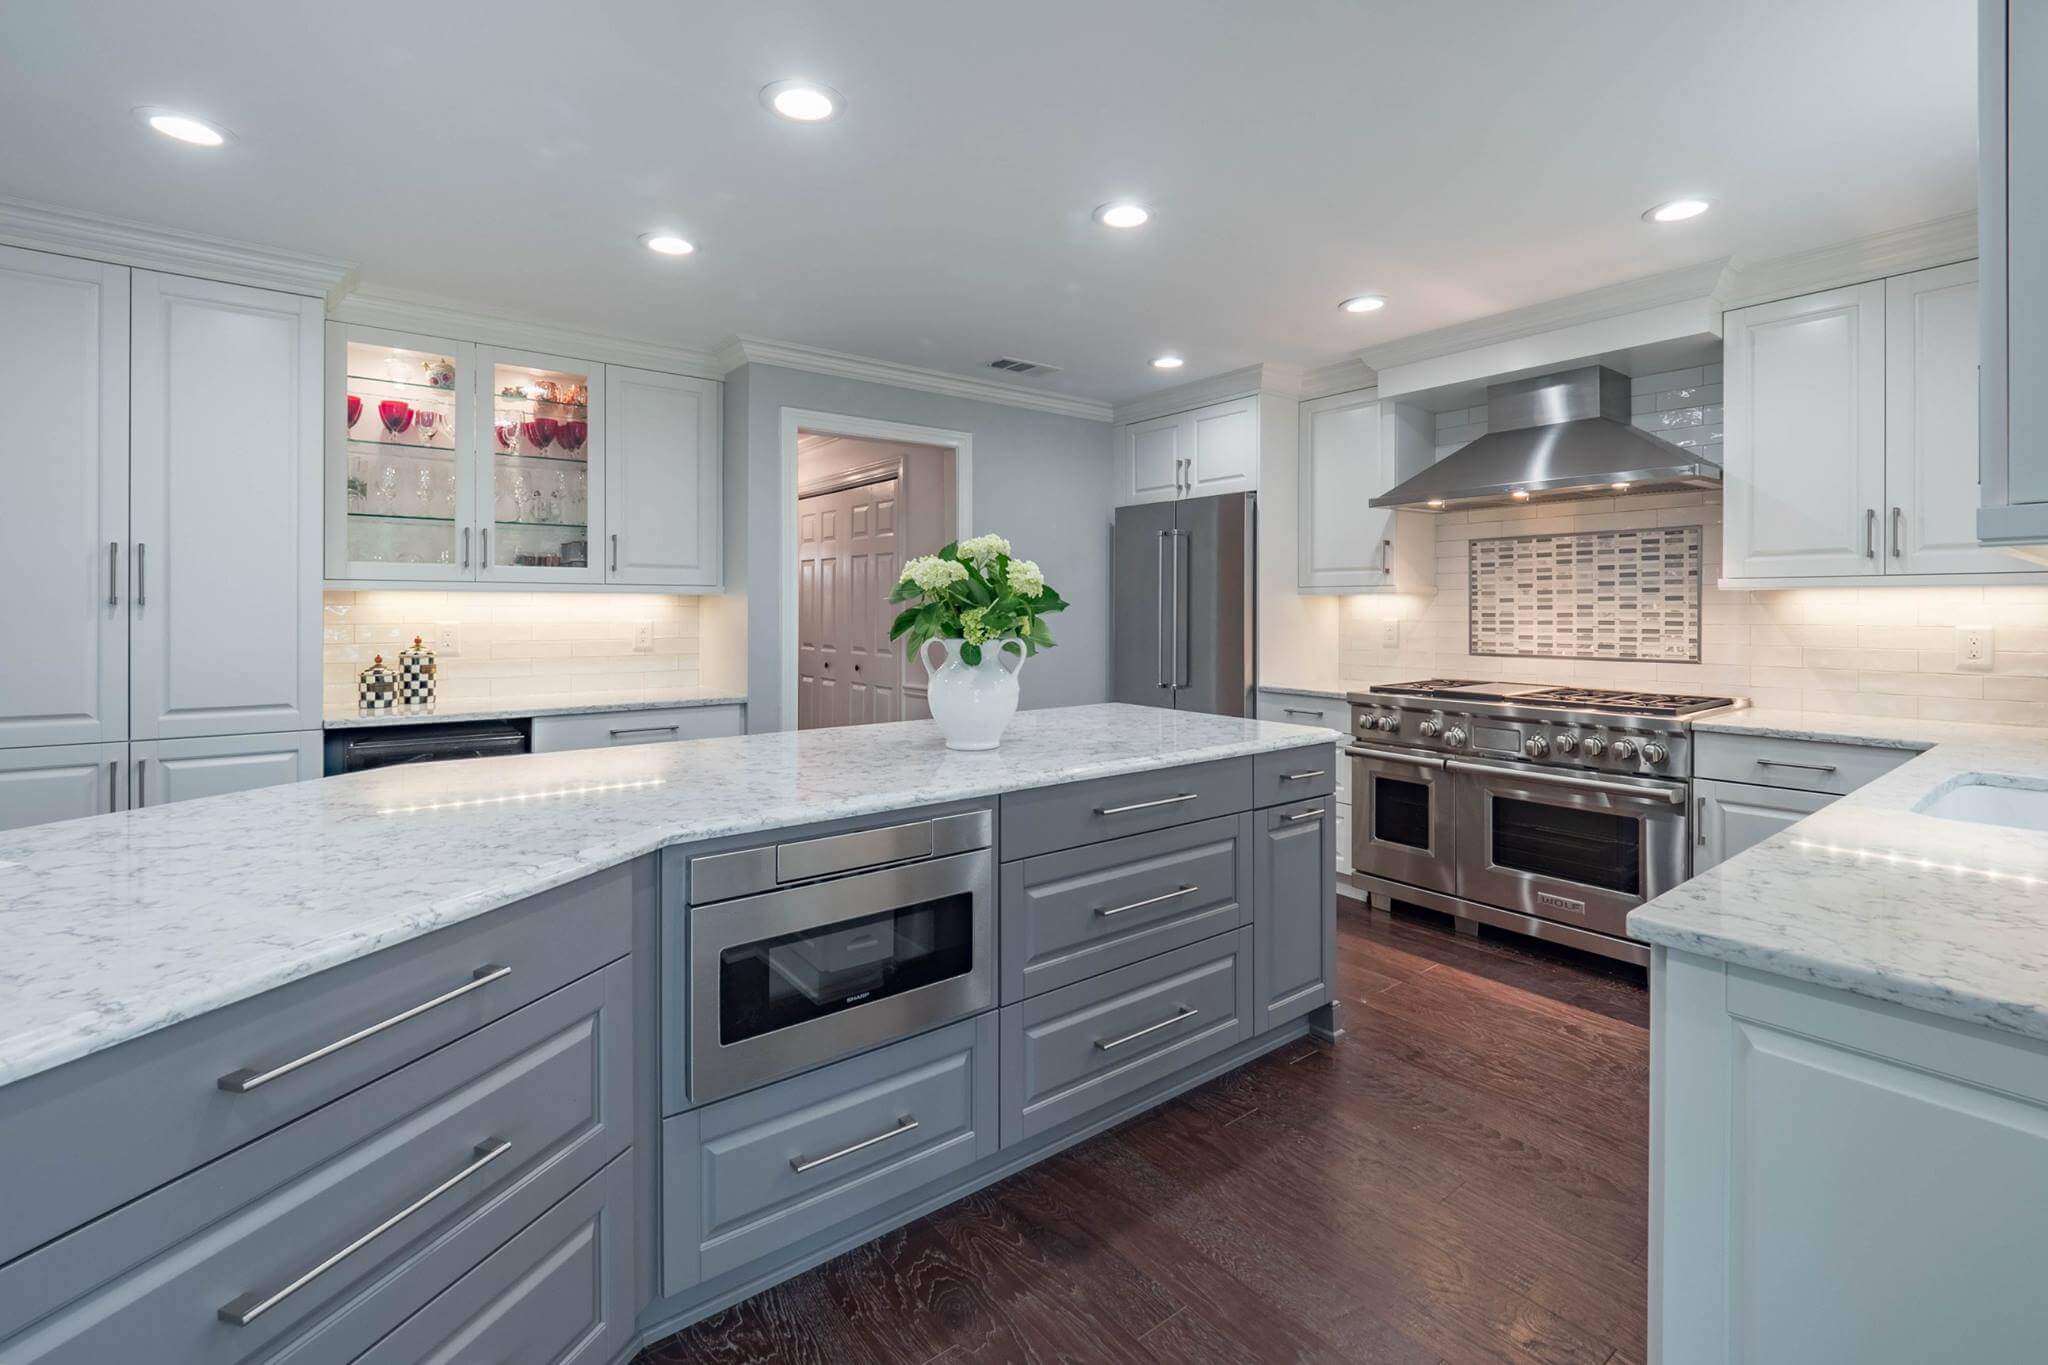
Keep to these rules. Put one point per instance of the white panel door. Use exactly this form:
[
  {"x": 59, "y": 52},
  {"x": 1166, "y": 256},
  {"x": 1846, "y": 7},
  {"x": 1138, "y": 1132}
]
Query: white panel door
[
  {"x": 874, "y": 662},
  {"x": 1931, "y": 472},
  {"x": 1151, "y": 459},
  {"x": 168, "y": 770},
  {"x": 64, "y": 508},
  {"x": 664, "y": 504},
  {"x": 1803, "y": 448},
  {"x": 61, "y": 782},
  {"x": 1733, "y": 816},
  {"x": 1224, "y": 448},
  {"x": 1344, "y": 542},
  {"x": 225, "y": 612}
]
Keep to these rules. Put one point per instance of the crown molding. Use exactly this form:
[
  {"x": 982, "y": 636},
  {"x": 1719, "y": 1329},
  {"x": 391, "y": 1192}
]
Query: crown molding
[
  {"x": 1595, "y": 305},
  {"x": 430, "y": 315},
  {"x": 1269, "y": 377},
  {"x": 145, "y": 246},
  {"x": 752, "y": 350},
  {"x": 1345, "y": 376},
  {"x": 1941, "y": 241}
]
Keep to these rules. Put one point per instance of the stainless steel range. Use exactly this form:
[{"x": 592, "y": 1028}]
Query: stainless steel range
[{"x": 1553, "y": 811}]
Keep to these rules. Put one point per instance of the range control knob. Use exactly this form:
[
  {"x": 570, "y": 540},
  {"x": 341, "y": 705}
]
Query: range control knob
[
  {"x": 1565, "y": 743},
  {"x": 1624, "y": 749},
  {"x": 1455, "y": 736},
  {"x": 1536, "y": 746},
  {"x": 1653, "y": 752},
  {"x": 1387, "y": 723},
  {"x": 1593, "y": 746},
  {"x": 1429, "y": 729}
]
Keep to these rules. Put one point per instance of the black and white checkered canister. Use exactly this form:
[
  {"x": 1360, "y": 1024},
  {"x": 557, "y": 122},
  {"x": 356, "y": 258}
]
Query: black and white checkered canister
[
  {"x": 376, "y": 687},
  {"x": 416, "y": 672}
]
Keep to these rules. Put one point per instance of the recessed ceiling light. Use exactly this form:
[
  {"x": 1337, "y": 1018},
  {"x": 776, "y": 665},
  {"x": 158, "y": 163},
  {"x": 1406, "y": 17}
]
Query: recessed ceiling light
[
  {"x": 1364, "y": 303},
  {"x": 1676, "y": 211},
  {"x": 1167, "y": 362},
  {"x": 183, "y": 127},
  {"x": 668, "y": 243},
  {"x": 1122, "y": 214},
  {"x": 803, "y": 101},
  {"x": 1436, "y": 502}
]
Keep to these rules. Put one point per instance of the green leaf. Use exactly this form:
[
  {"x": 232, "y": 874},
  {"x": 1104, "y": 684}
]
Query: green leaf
[
  {"x": 951, "y": 551},
  {"x": 904, "y": 621},
  {"x": 904, "y": 591},
  {"x": 970, "y": 654}
]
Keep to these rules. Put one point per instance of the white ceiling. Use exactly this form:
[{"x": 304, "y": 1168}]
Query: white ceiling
[{"x": 1462, "y": 158}]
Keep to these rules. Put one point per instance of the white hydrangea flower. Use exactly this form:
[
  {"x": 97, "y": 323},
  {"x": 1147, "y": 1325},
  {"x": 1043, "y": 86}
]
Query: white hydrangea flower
[
  {"x": 983, "y": 550},
  {"x": 930, "y": 573},
  {"x": 1026, "y": 578}
]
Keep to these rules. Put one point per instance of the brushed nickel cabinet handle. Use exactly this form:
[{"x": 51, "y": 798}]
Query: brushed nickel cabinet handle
[
  {"x": 1870, "y": 533},
  {"x": 483, "y": 559},
  {"x": 141, "y": 579},
  {"x": 1185, "y": 1013},
  {"x": 113, "y": 573},
  {"x": 1898, "y": 539},
  {"x": 113, "y": 784},
  {"x": 1386, "y": 556},
  {"x": 1149, "y": 900},
  {"x": 1159, "y": 643},
  {"x": 1147, "y": 805},
  {"x": 615, "y": 552},
  {"x": 1300, "y": 816},
  {"x": 1699, "y": 806},
  {"x": 243, "y": 1081},
  {"x": 1803, "y": 767},
  {"x": 141, "y": 785},
  {"x": 1303, "y": 777},
  {"x": 246, "y": 1308},
  {"x": 465, "y": 547},
  {"x": 1301, "y": 711},
  {"x": 802, "y": 1164}
]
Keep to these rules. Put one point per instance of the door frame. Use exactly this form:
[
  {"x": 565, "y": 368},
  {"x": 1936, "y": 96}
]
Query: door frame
[{"x": 796, "y": 420}]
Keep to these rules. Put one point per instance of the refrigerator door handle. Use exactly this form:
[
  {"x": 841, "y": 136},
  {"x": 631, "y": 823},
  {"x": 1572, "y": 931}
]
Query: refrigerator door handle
[
  {"x": 1159, "y": 635},
  {"x": 1180, "y": 611}
]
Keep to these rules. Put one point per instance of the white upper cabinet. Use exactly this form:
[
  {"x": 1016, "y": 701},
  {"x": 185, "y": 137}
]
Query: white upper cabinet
[
  {"x": 1354, "y": 448},
  {"x": 2012, "y": 232},
  {"x": 1803, "y": 447},
  {"x": 664, "y": 481},
  {"x": 225, "y": 453},
  {"x": 1195, "y": 454},
  {"x": 64, "y": 518},
  {"x": 539, "y": 490}
]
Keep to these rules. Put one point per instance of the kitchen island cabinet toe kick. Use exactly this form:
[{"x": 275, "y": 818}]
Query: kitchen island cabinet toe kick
[{"x": 642, "y": 1094}]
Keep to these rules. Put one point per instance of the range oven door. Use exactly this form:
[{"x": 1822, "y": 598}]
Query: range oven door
[
  {"x": 1401, "y": 818},
  {"x": 1580, "y": 849},
  {"x": 785, "y": 981}
]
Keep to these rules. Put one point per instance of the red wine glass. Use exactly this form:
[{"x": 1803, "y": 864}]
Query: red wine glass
[
  {"x": 541, "y": 431},
  {"x": 396, "y": 414},
  {"x": 355, "y": 410},
  {"x": 571, "y": 435}
]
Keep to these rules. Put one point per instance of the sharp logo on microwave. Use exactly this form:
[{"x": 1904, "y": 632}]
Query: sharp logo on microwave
[
  {"x": 856, "y": 999},
  {"x": 1550, "y": 902}
]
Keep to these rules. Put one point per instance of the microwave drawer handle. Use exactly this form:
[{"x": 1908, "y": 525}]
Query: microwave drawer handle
[
  {"x": 1147, "y": 805},
  {"x": 1673, "y": 795},
  {"x": 246, "y": 1308},
  {"x": 646, "y": 730},
  {"x": 1185, "y": 1013},
  {"x": 1803, "y": 767},
  {"x": 243, "y": 1081},
  {"x": 1396, "y": 756},
  {"x": 1107, "y": 911},
  {"x": 802, "y": 1164}
]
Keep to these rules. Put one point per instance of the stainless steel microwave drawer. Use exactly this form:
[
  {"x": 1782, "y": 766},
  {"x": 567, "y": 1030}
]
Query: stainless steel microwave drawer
[
  {"x": 318, "y": 1239},
  {"x": 1084, "y": 1047},
  {"x": 752, "y": 1175},
  {"x": 1295, "y": 774},
  {"x": 124, "y": 1121},
  {"x": 1047, "y": 819},
  {"x": 1802, "y": 764},
  {"x": 1075, "y": 914}
]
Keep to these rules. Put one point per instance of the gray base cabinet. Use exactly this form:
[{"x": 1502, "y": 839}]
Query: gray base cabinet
[{"x": 1295, "y": 957}]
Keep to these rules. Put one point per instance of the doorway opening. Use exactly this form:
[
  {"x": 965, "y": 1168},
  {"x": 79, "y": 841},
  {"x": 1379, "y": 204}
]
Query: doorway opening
[{"x": 865, "y": 505}]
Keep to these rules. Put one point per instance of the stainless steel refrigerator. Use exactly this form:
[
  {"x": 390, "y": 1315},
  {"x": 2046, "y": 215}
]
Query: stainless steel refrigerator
[{"x": 1183, "y": 575}]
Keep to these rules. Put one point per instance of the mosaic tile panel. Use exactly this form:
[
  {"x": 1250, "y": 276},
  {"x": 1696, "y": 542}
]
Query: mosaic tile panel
[{"x": 1615, "y": 595}]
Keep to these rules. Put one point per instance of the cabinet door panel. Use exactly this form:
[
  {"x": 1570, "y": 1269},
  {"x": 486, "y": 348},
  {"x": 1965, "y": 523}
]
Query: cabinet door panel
[
  {"x": 64, "y": 518},
  {"x": 1804, "y": 445},
  {"x": 225, "y": 607},
  {"x": 61, "y": 782},
  {"x": 1294, "y": 909},
  {"x": 398, "y": 484},
  {"x": 185, "y": 769},
  {"x": 540, "y": 492},
  {"x": 1224, "y": 446},
  {"x": 1734, "y": 816},
  {"x": 1343, "y": 539},
  {"x": 664, "y": 514},
  {"x": 2025, "y": 236},
  {"x": 1151, "y": 459}
]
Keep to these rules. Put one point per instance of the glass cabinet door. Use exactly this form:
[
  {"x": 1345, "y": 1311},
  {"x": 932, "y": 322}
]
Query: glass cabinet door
[
  {"x": 543, "y": 478},
  {"x": 401, "y": 475}
]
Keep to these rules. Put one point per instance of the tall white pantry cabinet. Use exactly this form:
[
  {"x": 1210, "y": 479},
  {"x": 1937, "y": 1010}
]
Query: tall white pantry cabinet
[{"x": 159, "y": 538}]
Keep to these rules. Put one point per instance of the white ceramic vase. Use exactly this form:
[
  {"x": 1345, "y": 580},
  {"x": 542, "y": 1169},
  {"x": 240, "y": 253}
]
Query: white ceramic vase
[{"x": 973, "y": 703}]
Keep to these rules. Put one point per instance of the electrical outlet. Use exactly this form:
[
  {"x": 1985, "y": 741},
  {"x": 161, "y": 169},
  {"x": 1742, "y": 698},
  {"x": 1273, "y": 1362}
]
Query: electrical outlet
[
  {"x": 643, "y": 638},
  {"x": 1390, "y": 635},
  {"x": 1973, "y": 649},
  {"x": 448, "y": 639}
]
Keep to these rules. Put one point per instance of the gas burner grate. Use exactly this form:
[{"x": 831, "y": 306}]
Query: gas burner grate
[{"x": 1632, "y": 703}]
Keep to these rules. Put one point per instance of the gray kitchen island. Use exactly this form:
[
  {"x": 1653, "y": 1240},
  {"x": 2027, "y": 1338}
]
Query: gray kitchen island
[{"x": 543, "y": 1057}]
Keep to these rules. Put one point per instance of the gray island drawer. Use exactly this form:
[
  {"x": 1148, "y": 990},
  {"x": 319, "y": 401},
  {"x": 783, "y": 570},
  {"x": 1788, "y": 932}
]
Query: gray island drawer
[
  {"x": 123, "y": 1121},
  {"x": 1050, "y": 818},
  {"x": 449, "y": 1156},
  {"x": 1071, "y": 915},
  {"x": 1802, "y": 764},
  {"x": 1295, "y": 774},
  {"x": 1077, "y": 1049}
]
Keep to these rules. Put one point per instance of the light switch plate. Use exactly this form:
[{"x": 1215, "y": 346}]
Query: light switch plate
[
  {"x": 448, "y": 639},
  {"x": 1973, "y": 649},
  {"x": 643, "y": 638},
  {"x": 1390, "y": 635}
]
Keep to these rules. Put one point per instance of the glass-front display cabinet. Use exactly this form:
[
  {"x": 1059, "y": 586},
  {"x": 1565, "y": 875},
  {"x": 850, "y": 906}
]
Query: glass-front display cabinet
[{"x": 453, "y": 462}]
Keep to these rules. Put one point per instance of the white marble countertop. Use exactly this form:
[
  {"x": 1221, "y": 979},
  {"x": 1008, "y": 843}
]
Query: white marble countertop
[
  {"x": 1330, "y": 693},
  {"x": 511, "y": 708},
  {"x": 1870, "y": 896},
  {"x": 118, "y": 925}
]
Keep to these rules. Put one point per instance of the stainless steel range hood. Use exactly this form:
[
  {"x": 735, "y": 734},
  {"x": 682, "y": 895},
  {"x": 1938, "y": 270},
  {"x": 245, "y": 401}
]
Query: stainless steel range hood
[{"x": 1556, "y": 433}]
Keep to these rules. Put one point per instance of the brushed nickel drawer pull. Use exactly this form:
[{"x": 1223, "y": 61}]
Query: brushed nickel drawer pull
[
  {"x": 141, "y": 576},
  {"x": 248, "y": 1307},
  {"x": 1185, "y": 1013},
  {"x": 903, "y": 1125},
  {"x": 1301, "y": 815},
  {"x": 1147, "y": 805},
  {"x": 1803, "y": 767},
  {"x": 1303, "y": 777},
  {"x": 243, "y": 1081},
  {"x": 647, "y": 730},
  {"x": 1301, "y": 711},
  {"x": 1149, "y": 900}
]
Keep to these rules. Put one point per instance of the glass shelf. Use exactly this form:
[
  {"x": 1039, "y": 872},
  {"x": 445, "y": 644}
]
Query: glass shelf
[
  {"x": 539, "y": 402},
  {"x": 548, "y": 525},
  {"x": 445, "y": 390},
  {"x": 411, "y": 450},
  {"x": 402, "y": 516},
  {"x": 579, "y": 462}
]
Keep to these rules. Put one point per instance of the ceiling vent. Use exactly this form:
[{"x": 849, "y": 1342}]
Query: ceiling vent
[{"x": 1011, "y": 365}]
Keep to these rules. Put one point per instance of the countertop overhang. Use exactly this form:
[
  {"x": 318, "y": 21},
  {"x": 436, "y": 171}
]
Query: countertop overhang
[{"x": 119, "y": 925}]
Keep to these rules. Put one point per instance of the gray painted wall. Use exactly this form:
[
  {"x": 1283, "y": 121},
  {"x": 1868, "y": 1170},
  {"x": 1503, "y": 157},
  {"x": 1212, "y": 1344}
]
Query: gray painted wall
[{"x": 1041, "y": 479}]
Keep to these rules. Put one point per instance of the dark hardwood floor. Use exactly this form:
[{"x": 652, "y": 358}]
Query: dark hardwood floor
[{"x": 1462, "y": 1178}]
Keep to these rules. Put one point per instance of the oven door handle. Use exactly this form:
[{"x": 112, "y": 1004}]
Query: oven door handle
[
  {"x": 1396, "y": 756},
  {"x": 1672, "y": 795}
]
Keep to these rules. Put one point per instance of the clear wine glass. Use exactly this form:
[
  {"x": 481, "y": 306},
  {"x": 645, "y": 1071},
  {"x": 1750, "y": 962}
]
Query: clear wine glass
[
  {"x": 387, "y": 487},
  {"x": 424, "y": 485}
]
